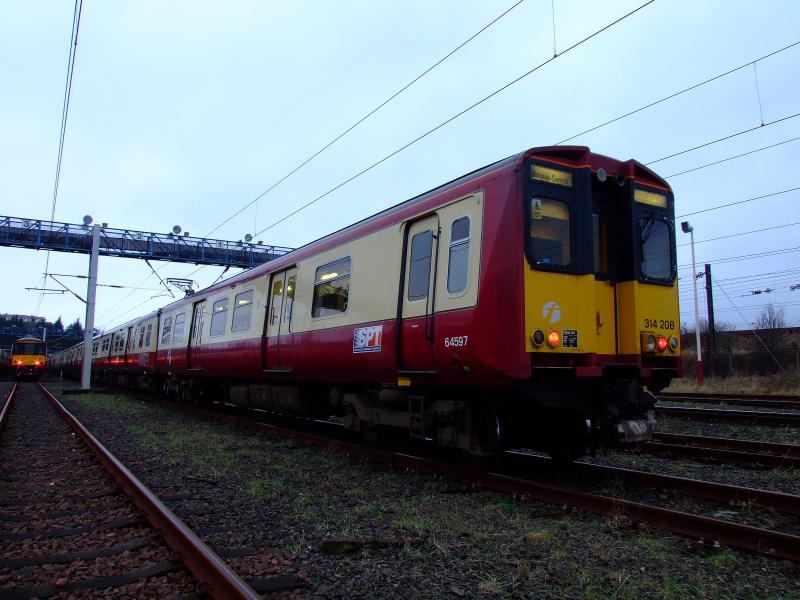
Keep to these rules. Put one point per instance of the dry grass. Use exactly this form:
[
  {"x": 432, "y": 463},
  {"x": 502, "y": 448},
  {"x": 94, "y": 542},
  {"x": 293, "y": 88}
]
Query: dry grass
[{"x": 784, "y": 383}]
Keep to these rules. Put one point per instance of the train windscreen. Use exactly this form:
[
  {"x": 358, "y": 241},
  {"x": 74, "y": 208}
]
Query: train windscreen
[{"x": 29, "y": 348}]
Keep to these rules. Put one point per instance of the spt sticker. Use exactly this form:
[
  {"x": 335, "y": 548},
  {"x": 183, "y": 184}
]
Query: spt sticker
[{"x": 367, "y": 339}]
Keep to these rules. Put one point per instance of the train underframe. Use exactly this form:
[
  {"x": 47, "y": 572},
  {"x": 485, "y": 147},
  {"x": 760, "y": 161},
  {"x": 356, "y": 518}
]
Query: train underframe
[
  {"x": 562, "y": 416},
  {"x": 28, "y": 372}
]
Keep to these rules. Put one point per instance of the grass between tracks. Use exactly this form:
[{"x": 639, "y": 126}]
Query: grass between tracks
[
  {"x": 457, "y": 541},
  {"x": 783, "y": 384}
]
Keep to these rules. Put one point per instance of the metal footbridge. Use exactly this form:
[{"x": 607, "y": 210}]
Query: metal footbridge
[{"x": 37, "y": 234}]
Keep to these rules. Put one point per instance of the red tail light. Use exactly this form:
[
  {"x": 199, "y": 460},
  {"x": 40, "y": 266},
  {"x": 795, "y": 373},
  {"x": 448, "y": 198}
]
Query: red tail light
[{"x": 662, "y": 343}]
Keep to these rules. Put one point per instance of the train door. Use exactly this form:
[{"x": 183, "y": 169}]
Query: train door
[
  {"x": 193, "y": 359},
  {"x": 418, "y": 303},
  {"x": 128, "y": 346},
  {"x": 278, "y": 321}
]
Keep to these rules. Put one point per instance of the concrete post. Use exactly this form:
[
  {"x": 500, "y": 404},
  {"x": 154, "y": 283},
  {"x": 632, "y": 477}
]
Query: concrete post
[{"x": 91, "y": 292}]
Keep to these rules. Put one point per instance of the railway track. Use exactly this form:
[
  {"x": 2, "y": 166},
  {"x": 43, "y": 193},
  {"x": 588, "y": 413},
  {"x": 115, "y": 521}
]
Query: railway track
[
  {"x": 749, "y": 453},
  {"x": 727, "y": 533},
  {"x": 66, "y": 525},
  {"x": 787, "y": 419},
  {"x": 759, "y": 400}
]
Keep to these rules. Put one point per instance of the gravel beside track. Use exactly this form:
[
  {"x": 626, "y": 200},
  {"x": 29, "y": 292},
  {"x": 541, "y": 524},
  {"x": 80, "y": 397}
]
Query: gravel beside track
[
  {"x": 743, "y": 431},
  {"x": 56, "y": 499},
  {"x": 429, "y": 538}
]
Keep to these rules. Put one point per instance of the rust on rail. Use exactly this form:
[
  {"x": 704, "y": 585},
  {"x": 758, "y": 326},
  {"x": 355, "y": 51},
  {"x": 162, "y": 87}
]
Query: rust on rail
[
  {"x": 202, "y": 562},
  {"x": 7, "y": 405},
  {"x": 753, "y": 539}
]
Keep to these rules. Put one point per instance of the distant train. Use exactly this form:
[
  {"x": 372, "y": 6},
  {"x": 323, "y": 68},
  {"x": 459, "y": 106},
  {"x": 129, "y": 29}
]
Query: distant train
[
  {"x": 28, "y": 357},
  {"x": 531, "y": 303}
]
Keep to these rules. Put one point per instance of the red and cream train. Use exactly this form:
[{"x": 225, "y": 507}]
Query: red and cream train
[{"x": 531, "y": 303}]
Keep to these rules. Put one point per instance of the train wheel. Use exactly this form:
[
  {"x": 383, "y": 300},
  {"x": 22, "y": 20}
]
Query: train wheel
[
  {"x": 486, "y": 435},
  {"x": 198, "y": 394},
  {"x": 567, "y": 437}
]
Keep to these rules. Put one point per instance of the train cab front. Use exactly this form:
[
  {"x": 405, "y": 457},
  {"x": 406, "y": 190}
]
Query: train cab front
[
  {"x": 28, "y": 358},
  {"x": 601, "y": 300}
]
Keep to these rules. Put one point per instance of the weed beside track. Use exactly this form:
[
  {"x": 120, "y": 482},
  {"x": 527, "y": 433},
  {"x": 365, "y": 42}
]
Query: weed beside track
[{"x": 447, "y": 540}]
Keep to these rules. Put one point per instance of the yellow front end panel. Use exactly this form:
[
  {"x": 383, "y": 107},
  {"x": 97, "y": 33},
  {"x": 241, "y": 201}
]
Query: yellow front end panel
[
  {"x": 648, "y": 308},
  {"x": 576, "y": 305},
  {"x": 28, "y": 359}
]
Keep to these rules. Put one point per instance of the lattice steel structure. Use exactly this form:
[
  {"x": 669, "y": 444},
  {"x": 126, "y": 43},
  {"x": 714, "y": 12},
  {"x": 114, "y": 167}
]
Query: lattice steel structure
[{"x": 70, "y": 237}]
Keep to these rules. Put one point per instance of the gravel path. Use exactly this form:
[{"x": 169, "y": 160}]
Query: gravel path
[{"x": 439, "y": 539}]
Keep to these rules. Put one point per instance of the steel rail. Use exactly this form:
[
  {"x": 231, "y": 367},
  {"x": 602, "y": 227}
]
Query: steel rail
[
  {"x": 754, "y": 539},
  {"x": 220, "y": 580},
  {"x": 7, "y": 405},
  {"x": 787, "y": 402},
  {"x": 739, "y": 416},
  {"x": 729, "y": 444},
  {"x": 708, "y": 490},
  {"x": 718, "y": 455},
  {"x": 790, "y": 397}
]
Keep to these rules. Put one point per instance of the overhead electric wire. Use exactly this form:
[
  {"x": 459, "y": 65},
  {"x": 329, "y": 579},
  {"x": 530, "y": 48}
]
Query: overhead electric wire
[
  {"x": 722, "y": 139},
  {"x": 725, "y": 237},
  {"x": 697, "y": 212},
  {"x": 456, "y": 116},
  {"x": 367, "y": 116},
  {"x": 469, "y": 108},
  {"x": 746, "y": 256},
  {"x": 717, "y": 162},
  {"x": 748, "y": 284},
  {"x": 675, "y": 94},
  {"x": 722, "y": 289},
  {"x": 759, "y": 275},
  {"x": 358, "y": 122},
  {"x": 73, "y": 49}
]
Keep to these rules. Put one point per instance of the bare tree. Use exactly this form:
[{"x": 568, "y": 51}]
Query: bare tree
[{"x": 770, "y": 322}]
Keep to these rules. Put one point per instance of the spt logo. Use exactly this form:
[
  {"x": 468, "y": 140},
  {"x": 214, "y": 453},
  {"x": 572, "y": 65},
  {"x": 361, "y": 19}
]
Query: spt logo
[
  {"x": 551, "y": 312},
  {"x": 367, "y": 339}
]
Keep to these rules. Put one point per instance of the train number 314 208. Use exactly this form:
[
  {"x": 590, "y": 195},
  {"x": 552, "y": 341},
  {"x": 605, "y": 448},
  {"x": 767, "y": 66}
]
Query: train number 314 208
[
  {"x": 659, "y": 324},
  {"x": 456, "y": 341}
]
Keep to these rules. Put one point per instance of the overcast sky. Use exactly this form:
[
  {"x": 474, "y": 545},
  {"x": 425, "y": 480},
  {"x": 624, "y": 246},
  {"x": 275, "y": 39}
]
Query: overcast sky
[{"x": 184, "y": 112}]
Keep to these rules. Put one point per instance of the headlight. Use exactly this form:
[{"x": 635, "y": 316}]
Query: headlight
[
  {"x": 648, "y": 342},
  {"x": 673, "y": 343}
]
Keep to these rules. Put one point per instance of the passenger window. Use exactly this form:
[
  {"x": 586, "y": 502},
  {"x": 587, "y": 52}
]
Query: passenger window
[
  {"x": 458, "y": 260},
  {"x": 141, "y": 336},
  {"x": 287, "y": 309},
  {"x": 242, "y": 309},
  {"x": 166, "y": 332},
  {"x": 550, "y": 232},
  {"x": 219, "y": 317},
  {"x": 94, "y": 349},
  {"x": 177, "y": 334},
  {"x": 419, "y": 273},
  {"x": 149, "y": 334},
  {"x": 331, "y": 288}
]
